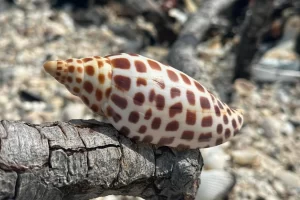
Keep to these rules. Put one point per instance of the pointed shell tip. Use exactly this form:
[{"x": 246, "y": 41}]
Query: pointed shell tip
[{"x": 50, "y": 66}]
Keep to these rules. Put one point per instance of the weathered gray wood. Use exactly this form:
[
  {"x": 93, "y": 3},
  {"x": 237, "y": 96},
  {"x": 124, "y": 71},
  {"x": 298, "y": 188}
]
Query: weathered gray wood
[
  {"x": 182, "y": 54},
  {"x": 87, "y": 159},
  {"x": 256, "y": 20}
]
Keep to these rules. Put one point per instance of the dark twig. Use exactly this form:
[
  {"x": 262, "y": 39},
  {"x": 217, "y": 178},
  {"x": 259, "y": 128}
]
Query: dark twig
[
  {"x": 255, "y": 22},
  {"x": 182, "y": 55}
]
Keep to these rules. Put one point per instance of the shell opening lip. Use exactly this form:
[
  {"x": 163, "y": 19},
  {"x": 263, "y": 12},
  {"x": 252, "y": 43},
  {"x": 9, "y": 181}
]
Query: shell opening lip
[{"x": 50, "y": 67}]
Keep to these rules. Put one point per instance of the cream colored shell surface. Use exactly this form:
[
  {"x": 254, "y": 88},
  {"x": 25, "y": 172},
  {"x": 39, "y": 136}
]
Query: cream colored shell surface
[{"x": 149, "y": 101}]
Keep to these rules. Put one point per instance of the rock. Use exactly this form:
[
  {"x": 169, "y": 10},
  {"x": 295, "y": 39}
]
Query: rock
[
  {"x": 271, "y": 127},
  {"x": 180, "y": 16},
  {"x": 29, "y": 96},
  {"x": 190, "y": 6},
  {"x": 289, "y": 178},
  {"x": 67, "y": 21},
  {"x": 38, "y": 117},
  {"x": 157, "y": 52},
  {"x": 287, "y": 128},
  {"x": 244, "y": 157},
  {"x": 295, "y": 120},
  {"x": 57, "y": 103},
  {"x": 211, "y": 50},
  {"x": 54, "y": 30},
  {"x": 168, "y": 4},
  {"x": 279, "y": 187},
  {"x": 3, "y": 100},
  {"x": 73, "y": 111},
  {"x": 244, "y": 87},
  {"x": 282, "y": 96},
  {"x": 33, "y": 106}
]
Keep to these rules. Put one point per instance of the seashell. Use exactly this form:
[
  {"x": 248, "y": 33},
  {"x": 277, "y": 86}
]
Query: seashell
[
  {"x": 215, "y": 184},
  {"x": 148, "y": 101},
  {"x": 214, "y": 158}
]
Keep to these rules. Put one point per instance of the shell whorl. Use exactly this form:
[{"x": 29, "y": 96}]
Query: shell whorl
[{"x": 149, "y": 101}]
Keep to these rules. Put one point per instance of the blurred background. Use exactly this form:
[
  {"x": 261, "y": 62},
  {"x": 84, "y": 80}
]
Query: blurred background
[{"x": 261, "y": 163}]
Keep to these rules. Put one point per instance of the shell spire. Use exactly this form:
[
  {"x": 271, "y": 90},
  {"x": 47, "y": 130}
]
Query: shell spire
[
  {"x": 148, "y": 101},
  {"x": 88, "y": 78}
]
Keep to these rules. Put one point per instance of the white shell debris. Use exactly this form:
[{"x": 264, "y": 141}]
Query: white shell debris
[
  {"x": 177, "y": 14},
  {"x": 244, "y": 157},
  {"x": 214, "y": 158},
  {"x": 215, "y": 184}
]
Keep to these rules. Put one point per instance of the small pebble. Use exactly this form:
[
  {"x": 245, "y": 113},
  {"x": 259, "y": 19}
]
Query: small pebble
[
  {"x": 271, "y": 127},
  {"x": 73, "y": 111},
  {"x": 291, "y": 179},
  {"x": 287, "y": 128},
  {"x": 244, "y": 157}
]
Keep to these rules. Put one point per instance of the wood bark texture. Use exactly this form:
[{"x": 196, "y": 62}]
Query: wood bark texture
[{"x": 86, "y": 159}]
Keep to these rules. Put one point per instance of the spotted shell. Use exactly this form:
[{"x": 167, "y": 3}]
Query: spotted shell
[{"x": 148, "y": 101}]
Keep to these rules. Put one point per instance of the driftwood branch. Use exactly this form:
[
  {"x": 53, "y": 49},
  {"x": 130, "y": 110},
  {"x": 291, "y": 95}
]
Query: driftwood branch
[
  {"x": 257, "y": 17},
  {"x": 182, "y": 55},
  {"x": 87, "y": 159}
]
